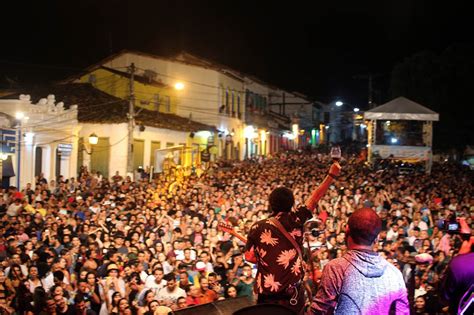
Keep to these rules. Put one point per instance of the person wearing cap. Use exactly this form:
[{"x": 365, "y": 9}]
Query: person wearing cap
[
  {"x": 200, "y": 272},
  {"x": 113, "y": 282}
]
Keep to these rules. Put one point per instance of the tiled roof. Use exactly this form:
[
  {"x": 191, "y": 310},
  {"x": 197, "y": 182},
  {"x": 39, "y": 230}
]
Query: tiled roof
[{"x": 95, "y": 106}]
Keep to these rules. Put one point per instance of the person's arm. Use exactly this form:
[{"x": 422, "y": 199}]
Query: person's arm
[
  {"x": 326, "y": 297},
  {"x": 237, "y": 263},
  {"x": 321, "y": 190},
  {"x": 95, "y": 296},
  {"x": 250, "y": 255}
]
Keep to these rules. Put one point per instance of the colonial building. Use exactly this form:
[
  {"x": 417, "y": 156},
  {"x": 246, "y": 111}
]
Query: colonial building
[
  {"x": 39, "y": 136},
  {"x": 236, "y": 104},
  {"x": 103, "y": 118}
]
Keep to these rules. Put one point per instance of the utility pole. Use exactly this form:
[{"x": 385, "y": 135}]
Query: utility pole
[
  {"x": 369, "y": 77},
  {"x": 370, "y": 91},
  {"x": 131, "y": 120}
]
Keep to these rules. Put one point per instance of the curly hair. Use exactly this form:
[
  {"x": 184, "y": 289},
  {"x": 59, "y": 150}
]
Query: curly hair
[{"x": 281, "y": 200}]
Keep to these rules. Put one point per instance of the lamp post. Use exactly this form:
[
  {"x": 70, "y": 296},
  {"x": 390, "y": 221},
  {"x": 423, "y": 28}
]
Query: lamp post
[
  {"x": 338, "y": 111},
  {"x": 93, "y": 140}
]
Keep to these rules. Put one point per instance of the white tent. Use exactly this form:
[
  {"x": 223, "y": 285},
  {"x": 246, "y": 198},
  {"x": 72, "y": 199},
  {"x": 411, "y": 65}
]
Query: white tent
[{"x": 401, "y": 108}]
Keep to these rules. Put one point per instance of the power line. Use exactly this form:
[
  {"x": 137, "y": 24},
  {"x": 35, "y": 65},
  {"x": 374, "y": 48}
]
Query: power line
[{"x": 210, "y": 85}]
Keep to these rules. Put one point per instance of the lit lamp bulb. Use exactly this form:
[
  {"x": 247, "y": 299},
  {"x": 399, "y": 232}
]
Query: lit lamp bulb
[
  {"x": 179, "y": 86},
  {"x": 93, "y": 139}
]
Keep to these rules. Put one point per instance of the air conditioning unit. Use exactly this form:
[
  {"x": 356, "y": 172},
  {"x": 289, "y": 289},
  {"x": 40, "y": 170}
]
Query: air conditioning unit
[{"x": 150, "y": 75}]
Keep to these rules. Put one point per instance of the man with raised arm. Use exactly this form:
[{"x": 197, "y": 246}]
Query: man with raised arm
[{"x": 280, "y": 266}]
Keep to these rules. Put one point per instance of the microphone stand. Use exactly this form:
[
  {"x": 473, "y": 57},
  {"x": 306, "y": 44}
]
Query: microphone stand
[{"x": 311, "y": 265}]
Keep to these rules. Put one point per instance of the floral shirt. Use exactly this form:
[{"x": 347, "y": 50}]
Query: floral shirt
[{"x": 278, "y": 261}]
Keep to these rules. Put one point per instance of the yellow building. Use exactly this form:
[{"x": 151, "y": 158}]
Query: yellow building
[{"x": 150, "y": 93}]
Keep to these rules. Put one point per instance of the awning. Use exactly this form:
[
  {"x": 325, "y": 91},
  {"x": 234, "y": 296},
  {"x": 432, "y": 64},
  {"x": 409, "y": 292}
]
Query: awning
[{"x": 401, "y": 108}]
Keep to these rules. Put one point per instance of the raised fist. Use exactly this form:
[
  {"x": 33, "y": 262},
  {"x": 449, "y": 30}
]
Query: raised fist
[{"x": 335, "y": 169}]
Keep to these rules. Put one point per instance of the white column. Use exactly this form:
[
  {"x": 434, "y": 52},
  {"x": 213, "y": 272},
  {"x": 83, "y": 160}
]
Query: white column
[
  {"x": 52, "y": 162},
  {"x": 46, "y": 161},
  {"x": 146, "y": 152},
  {"x": 73, "y": 158},
  {"x": 27, "y": 163}
]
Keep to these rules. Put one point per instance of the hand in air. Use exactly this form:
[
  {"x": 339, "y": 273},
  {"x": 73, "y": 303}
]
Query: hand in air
[{"x": 335, "y": 169}]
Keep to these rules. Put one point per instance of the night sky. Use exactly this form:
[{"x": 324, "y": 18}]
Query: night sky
[{"x": 318, "y": 50}]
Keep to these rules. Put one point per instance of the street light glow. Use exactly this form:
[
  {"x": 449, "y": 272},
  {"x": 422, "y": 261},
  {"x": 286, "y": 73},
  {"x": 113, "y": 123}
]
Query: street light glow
[
  {"x": 19, "y": 115},
  {"x": 339, "y": 103},
  {"x": 356, "y": 109},
  {"x": 93, "y": 139},
  {"x": 249, "y": 132},
  {"x": 179, "y": 86},
  {"x": 394, "y": 140}
]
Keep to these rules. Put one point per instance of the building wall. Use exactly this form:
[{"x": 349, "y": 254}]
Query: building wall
[
  {"x": 207, "y": 97},
  {"x": 199, "y": 96},
  {"x": 117, "y": 134},
  {"x": 148, "y": 96},
  {"x": 46, "y": 125},
  {"x": 203, "y": 94}
]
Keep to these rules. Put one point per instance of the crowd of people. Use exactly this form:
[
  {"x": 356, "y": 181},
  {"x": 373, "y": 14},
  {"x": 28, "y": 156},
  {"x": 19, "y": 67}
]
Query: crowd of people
[{"x": 93, "y": 245}]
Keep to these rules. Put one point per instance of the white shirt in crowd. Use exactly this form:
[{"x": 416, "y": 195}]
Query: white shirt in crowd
[
  {"x": 150, "y": 284},
  {"x": 392, "y": 235},
  {"x": 172, "y": 296},
  {"x": 422, "y": 225}
]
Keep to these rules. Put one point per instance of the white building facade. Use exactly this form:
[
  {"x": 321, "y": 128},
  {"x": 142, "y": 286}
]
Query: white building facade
[{"x": 45, "y": 138}]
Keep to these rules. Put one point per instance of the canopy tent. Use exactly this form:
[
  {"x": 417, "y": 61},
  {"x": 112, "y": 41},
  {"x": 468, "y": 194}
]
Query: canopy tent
[
  {"x": 401, "y": 108},
  {"x": 412, "y": 140}
]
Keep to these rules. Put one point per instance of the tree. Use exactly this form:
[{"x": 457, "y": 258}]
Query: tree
[{"x": 442, "y": 82}]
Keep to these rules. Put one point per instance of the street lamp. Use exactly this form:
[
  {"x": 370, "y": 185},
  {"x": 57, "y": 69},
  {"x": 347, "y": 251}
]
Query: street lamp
[
  {"x": 342, "y": 120},
  {"x": 179, "y": 86},
  {"x": 93, "y": 139}
]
